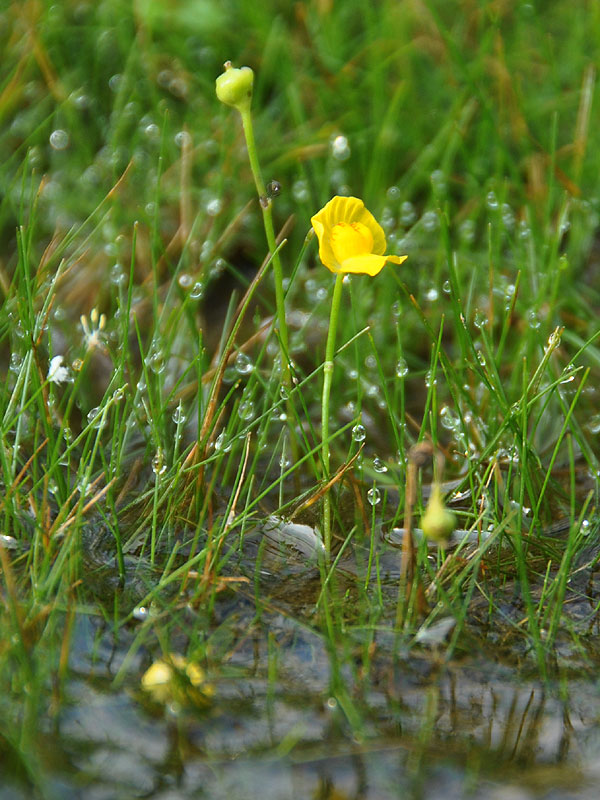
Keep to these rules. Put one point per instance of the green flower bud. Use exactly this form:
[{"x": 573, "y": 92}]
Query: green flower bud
[
  {"x": 437, "y": 522},
  {"x": 234, "y": 86}
]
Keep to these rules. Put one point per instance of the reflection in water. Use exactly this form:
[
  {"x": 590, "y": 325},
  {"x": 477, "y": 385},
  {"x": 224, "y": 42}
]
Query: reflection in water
[
  {"x": 290, "y": 718},
  {"x": 275, "y": 730}
]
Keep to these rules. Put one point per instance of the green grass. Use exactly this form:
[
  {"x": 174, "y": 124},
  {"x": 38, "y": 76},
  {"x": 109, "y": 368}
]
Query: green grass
[{"x": 136, "y": 495}]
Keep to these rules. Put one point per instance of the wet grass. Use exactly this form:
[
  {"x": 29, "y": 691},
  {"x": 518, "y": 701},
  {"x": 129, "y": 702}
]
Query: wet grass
[{"x": 163, "y": 499}]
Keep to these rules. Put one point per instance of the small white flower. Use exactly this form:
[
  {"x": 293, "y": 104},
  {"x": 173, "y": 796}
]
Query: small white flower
[
  {"x": 92, "y": 329},
  {"x": 56, "y": 372}
]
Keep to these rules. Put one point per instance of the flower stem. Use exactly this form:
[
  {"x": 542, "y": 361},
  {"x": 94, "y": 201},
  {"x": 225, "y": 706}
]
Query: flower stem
[
  {"x": 327, "y": 379},
  {"x": 267, "y": 213}
]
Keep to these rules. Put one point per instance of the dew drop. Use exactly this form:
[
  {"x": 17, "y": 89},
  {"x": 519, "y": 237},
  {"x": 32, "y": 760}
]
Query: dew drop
[
  {"x": 359, "y": 433},
  {"x": 524, "y": 230},
  {"x": 379, "y": 465},
  {"x": 430, "y": 379},
  {"x": 152, "y": 131},
  {"x": 159, "y": 466},
  {"x": 480, "y": 320},
  {"x": 401, "y": 368},
  {"x": 431, "y": 295},
  {"x": 593, "y": 424},
  {"x": 374, "y": 496},
  {"x": 449, "y": 418},
  {"x": 438, "y": 181},
  {"x": 273, "y": 189},
  {"x": 491, "y": 201},
  {"x": 533, "y": 319},
  {"x": 213, "y": 207},
  {"x": 466, "y": 231},
  {"x": 59, "y": 139},
  {"x": 117, "y": 275},
  {"x": 140, "y": 613},
  {"x": 300, "y": 191},
  {"x": 15, "y": 362},
  {"x": 429, "y": 221},
  {"x": 156, "y": 362},
  {"x": 197, "y": 292},
  {"x": 243, "y": 364},
  {"x": 407, "y": 213},
  {"x": 94, "y": 417},
  {"x": 246, "y": 410},
  {"x": 76, "y": 365},
  {"x": 183, "y": 139},
  {"x": 178, "y": 416},
  {"x": 340, "y": 148},
  {"x": 185, "y": 280}
]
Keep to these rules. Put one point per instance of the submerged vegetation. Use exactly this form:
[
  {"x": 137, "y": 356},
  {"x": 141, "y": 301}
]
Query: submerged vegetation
[{"x": 248, "y": 547}]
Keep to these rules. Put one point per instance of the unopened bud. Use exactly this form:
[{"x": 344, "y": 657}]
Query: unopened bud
[
  {"x": 437, "y": 522},
  {"x": 234, "y": 86}
]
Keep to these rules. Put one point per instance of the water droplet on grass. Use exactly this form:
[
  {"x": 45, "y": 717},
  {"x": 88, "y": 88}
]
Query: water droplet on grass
[
  {"x": 379, "y": 465},
  {"x": 593, "y": 424},
  {"x": 141, "y": 613},
  {"x": 185, "y": 280},
  {"x": 300, "y": 191},
  {"x": 407, "y": 213},
  {"x": 178, "y": 416},
  {"x": 246, "y": 410},
  {"x": 243, "y": 364},
  {"x": 480, "y": 320},
  {"x": 59, "y": 139},
  {"x": 359, "y": 433},
  {"x": 273, "y": 189},
  {"x": 152, "y": 131},
  {"x": 524, "y": 230},
  {"x": 374, "y": 496},
  {"x": 491, "y": 201},
  {"x": 429, "y": 220},
  {"x": 214, "y": 206},
  {"x": 449, "y": 418},
  {"x": 401, "y": 368},
  {"x": 183, "y": 139},
  {"x": 340, "y": 148},
  {"x": 197, "y": 291},
  {"x": 159, "y": 466},
  {"x": 156, "y": 362},
  {"x": 438, "y": 181},
  {"x": 466, "y": 231},
  {"x": 94, "y": 417}
]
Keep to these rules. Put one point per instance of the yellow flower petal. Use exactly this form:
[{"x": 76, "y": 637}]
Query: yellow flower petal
[{"x": 350, "y": 238}]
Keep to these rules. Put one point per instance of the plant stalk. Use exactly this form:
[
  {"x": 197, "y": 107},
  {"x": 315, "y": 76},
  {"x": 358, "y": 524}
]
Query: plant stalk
[{"x": 327, "y": 380}]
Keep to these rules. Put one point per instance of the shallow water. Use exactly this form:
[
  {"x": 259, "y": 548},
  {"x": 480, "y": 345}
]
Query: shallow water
[{"x": 381, "y": 718}]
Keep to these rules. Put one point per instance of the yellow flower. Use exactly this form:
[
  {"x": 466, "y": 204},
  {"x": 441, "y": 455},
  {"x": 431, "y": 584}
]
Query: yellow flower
[
  {"x": 175, "y": 679},
  {"x": 350, "y": 238}
]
